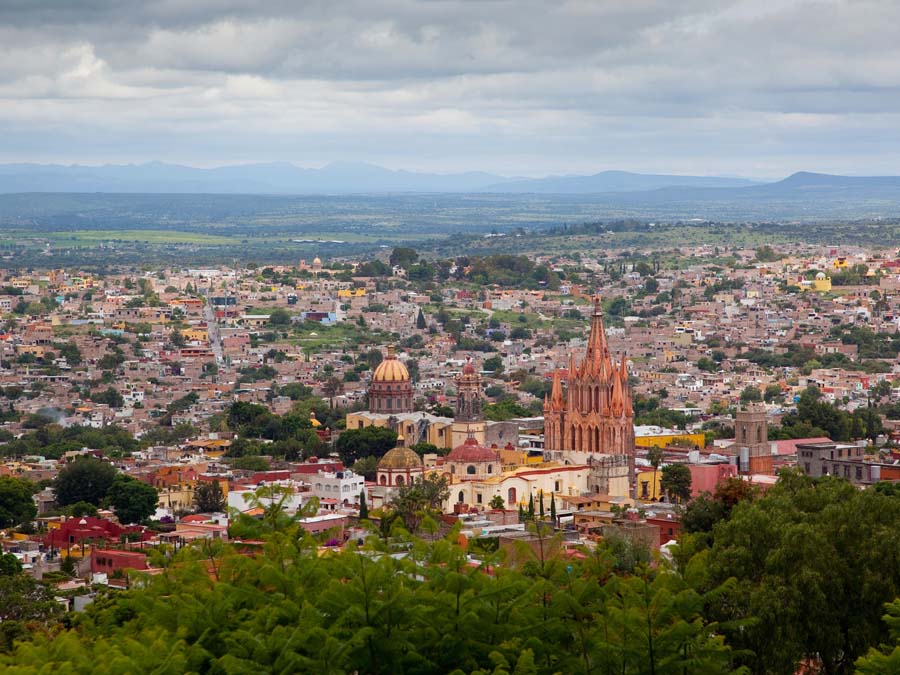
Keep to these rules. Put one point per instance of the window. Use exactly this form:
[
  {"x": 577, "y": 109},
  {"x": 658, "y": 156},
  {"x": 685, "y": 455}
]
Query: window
[
  {"x": 478, "y": 498},
  {"x": 452, "y": 469},
  {"x": 461, "y": 497},
  {"x": 556, "y": 486},
  {"x": 490, "y": 468},
  {"x": 470, "y": 470},
  {"x": 399, "y": 480},
  {"x": 806, "y": 467},
  {"x": 859, "y": 473}
]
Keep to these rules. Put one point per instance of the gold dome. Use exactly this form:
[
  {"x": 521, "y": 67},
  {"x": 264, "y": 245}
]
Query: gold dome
[
  {"x": 390, "y": 370},
  {"x": 400, "y": 458}
]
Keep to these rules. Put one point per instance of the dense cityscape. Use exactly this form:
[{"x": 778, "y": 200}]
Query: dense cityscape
[
  {"x": 510, "y": 418},
  {"x": 449, "y": 337}
]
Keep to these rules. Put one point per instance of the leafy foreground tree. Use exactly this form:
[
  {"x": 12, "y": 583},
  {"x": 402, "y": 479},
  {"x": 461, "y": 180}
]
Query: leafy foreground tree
[
  {"x": 364, "y": 611},
  {"x": 888, "y": 659},
  {"x": 815, "y": 562},
  {"x": 27, "y": 607}
]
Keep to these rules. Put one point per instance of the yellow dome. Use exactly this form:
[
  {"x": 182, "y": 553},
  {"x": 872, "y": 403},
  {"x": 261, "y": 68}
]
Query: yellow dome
[
  {"x": 390, "y": 370},
  {"x": 400, "y": 458},
  {"x": 317, "y": 260}
]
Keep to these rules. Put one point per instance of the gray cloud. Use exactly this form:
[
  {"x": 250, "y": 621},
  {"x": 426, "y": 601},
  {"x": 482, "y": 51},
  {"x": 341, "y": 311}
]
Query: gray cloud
[{"x": 521, "y": 86}]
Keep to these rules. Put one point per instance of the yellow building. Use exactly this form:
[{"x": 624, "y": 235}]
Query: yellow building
[
  {"x": 351, "y": 293},
  {"x": 661, "y": 438},
  {"x": 648, "y": 485},
  {"x": 36, "y": 350},
  {"x": 820, "y": 284},
  {"x": 195, "y": 334},
  {"x": 416, "y": 427}
]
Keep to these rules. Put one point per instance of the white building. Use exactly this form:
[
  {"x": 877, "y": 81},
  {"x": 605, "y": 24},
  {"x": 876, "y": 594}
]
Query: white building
[{"x": 343, "y": 486}]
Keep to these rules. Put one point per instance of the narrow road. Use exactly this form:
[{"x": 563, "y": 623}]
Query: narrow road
[{"x": 212, "y": 329}]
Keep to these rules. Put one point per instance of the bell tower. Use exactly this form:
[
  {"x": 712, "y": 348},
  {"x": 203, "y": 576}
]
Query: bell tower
[
  {"x": 467, "y": 419},
  {"x": 751, "y": 438}
]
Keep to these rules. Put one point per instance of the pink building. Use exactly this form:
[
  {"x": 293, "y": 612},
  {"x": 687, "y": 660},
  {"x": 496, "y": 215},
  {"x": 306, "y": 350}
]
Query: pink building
[{"x": 706, "y": 477}]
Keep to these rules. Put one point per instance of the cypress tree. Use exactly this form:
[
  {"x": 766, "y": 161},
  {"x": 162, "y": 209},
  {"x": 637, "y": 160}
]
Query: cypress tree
[
  {"x": 541, "y": 506},
  {"x": 521, "y": 514},
  {"x": 363, "y": 505},
  {"x": 530, "y": 512},
  {"x": 420, "y": 320},
  {"x": 553, "y": 508}
]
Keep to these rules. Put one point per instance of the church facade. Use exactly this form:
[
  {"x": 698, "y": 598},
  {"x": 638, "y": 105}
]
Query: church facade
[{"x": 594, "y": 415}]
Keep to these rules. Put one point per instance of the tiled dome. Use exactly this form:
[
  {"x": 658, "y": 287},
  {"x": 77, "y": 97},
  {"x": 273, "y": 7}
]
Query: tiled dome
[
  {"x": 390, "y": 370},
  {"x": 400, "y": 458},
  {"x": 471, "y": 451}
]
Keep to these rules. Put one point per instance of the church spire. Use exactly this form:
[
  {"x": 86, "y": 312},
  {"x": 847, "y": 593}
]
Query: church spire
[
  {"x": 597, "y": 340},
  {"x": 556, "y": 394},
  {"x": 626, "y": 390}
]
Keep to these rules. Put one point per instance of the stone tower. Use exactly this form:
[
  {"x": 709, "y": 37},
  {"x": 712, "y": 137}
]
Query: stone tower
[
  {"x": 467, "y": 419},
  {"x": 751, "y": 439}
]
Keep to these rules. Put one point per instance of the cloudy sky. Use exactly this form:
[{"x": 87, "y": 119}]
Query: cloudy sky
[{"x": 756, "y": 88}]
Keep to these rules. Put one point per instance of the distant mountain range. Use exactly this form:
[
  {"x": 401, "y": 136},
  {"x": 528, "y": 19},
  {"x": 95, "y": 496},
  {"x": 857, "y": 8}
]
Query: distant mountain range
[
  {"x": 337, "y": 178},
  {"x": 283, "y": 178}
]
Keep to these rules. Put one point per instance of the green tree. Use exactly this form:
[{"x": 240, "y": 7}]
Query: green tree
[
  {"x": 423, "y": 497},
  {"x": 676, "y": 482},
  {"x": 751, "y": 394},
  {"x": 371, "y": 441},
  {"x": 279, "y": 317},
  {"x": 16, "y": 505},
  {"x": 9, "y": 565},
  {"x": 496, "y": 502},
  {"x": 86, "y": 479},
  {"x": 81, "y": 509},
  {"x": 772, "y": 393},
  {"x": 251, "y": 463},
  {"x": 27, "y": 607},
  {"x": 132, "y": 500},
  {"x": 109, "y": 397},
  {"x": 403, "y": 256},
  {"x": 363, "y": 505},
  {"x": 810, "y": 589},
  {"x": 208, "y": 497},
  {"x": 887, "y": 659}
]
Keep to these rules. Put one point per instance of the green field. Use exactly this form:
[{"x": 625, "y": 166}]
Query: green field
[{"x": 93, "y": 237}]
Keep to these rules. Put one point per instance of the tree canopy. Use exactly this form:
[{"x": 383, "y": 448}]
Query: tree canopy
[
  {"x": 87, "y": 479},
  {"x": 16, "y": 504}
]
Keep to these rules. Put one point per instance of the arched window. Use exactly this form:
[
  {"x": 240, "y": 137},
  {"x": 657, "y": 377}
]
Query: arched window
[
  {"x": 511, "y": 496},
  {"x": 461, "y": 497},
  {"x": 399, "y": 480},
  {"x": 383, "y": 480},
  {"x": 452, "y": 469},
  {"x": 490, "y": 468},
  {"x": 470, "y": 470}
]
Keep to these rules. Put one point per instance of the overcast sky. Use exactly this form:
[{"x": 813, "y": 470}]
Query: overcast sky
[{"x": 757, "y": 88}]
